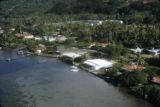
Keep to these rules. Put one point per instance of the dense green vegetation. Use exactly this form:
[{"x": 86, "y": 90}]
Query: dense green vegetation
[
  {"x": 68, "y": 17},
  {"x": 137, "y": 82},
  {"x": 130, "y": 11},
  {"x": 127, "y": 35},
  {"x": 82, "y": 35},
  {"x": 135, "y": 78}
]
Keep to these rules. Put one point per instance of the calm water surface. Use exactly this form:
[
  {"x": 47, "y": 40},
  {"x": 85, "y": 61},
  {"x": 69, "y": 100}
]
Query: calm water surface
[{"x": 45, "y": 82}]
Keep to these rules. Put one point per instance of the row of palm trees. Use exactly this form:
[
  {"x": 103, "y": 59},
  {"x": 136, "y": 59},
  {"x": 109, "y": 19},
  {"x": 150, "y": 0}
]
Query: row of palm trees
[{"x": 128, "y": 35}]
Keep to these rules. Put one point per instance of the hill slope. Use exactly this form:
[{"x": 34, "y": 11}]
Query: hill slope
[
  {"x": 26, "y": 7},
  {"x": 62, "y": 6},
  {"x": 149, "y": 9}
]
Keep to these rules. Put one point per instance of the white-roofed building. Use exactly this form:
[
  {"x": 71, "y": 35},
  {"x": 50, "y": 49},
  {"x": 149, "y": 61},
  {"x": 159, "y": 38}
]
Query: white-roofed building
[
  {"x": 1, "y": 31},
  {"x": 70, "y": 57},
  {"x": 58, "y": 38},
  {"x": 49, "y": 38},
  {"x": 97, "y": 65},
  {"x": 38, "y": 38},
  {"x": 13, "y": 29},
  {"x": 154, "y": 51},
  {"x": 95, "y": 22},
  {"x": 61, "y": 38},
  {"x": 137, "y": 50},
  {"x": 38, "y": 51},
  {"x": 115, "y": 21}
]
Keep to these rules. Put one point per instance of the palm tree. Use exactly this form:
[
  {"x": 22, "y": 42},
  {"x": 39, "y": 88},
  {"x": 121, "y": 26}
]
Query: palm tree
[{"x": 140, "y": 60}]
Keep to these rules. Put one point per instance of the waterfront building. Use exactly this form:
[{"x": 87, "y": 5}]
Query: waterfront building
[
  {"x": 97, "y": 66},
  {"x": 70, "y": 57}
]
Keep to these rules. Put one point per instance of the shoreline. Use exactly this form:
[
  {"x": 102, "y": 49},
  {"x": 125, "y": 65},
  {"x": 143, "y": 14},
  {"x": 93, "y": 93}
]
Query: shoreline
[
  {"x": 114, "y": 83},
  {"x": 110, "y": 81}
]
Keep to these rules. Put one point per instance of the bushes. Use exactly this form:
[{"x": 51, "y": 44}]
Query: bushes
[
  {"x": 115, "y": 72},
  {"x": 153, "y": 61},
  {"x": 153, "y": 92},
  {"x": 134, "y": 78},
  {"x": 152, "y": 71},
  {"x": 7, "y": 41},
  {"x": 115, "y": 51},
  {"x": 31, "y": 44}
]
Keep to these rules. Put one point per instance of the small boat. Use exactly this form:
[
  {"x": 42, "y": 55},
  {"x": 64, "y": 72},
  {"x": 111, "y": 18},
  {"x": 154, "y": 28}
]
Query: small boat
[{"x": 74, "y": 69}]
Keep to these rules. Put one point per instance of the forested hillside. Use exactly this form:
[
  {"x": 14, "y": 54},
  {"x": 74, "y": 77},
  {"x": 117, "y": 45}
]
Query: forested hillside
[{"x": 145, "y": 11}]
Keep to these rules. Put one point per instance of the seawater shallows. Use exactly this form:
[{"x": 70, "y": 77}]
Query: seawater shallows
[{"x": 45, "y": 82}]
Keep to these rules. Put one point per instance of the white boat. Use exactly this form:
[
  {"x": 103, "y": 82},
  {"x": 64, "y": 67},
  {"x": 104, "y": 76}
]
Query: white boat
[{"x": 74, "y": 69}]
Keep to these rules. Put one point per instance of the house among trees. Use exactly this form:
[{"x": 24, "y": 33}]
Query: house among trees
[
  {"x": 103, "y": 45},
  {"x": 1, "y": 31},
  {"x": 100, "y": 22},
  {"x": 115, "y": 21},
  {"x": 154, "y": 51},
  {"x": 61, "y": 38},
  {"x": 133, "y": 67},
  {"x": 38, "y": 38},
  {"x": 56, "y": 38},
  {"x": 149, "y": 1},
  {"x": 155, "y": 79},
  {"x": 49, "y": 38},
  {"x": 137, "y": 50},
  {"x": 12, "y": 29},
  {"x": 24, "y": 35},
  {"x": 95, "y": 22}
]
